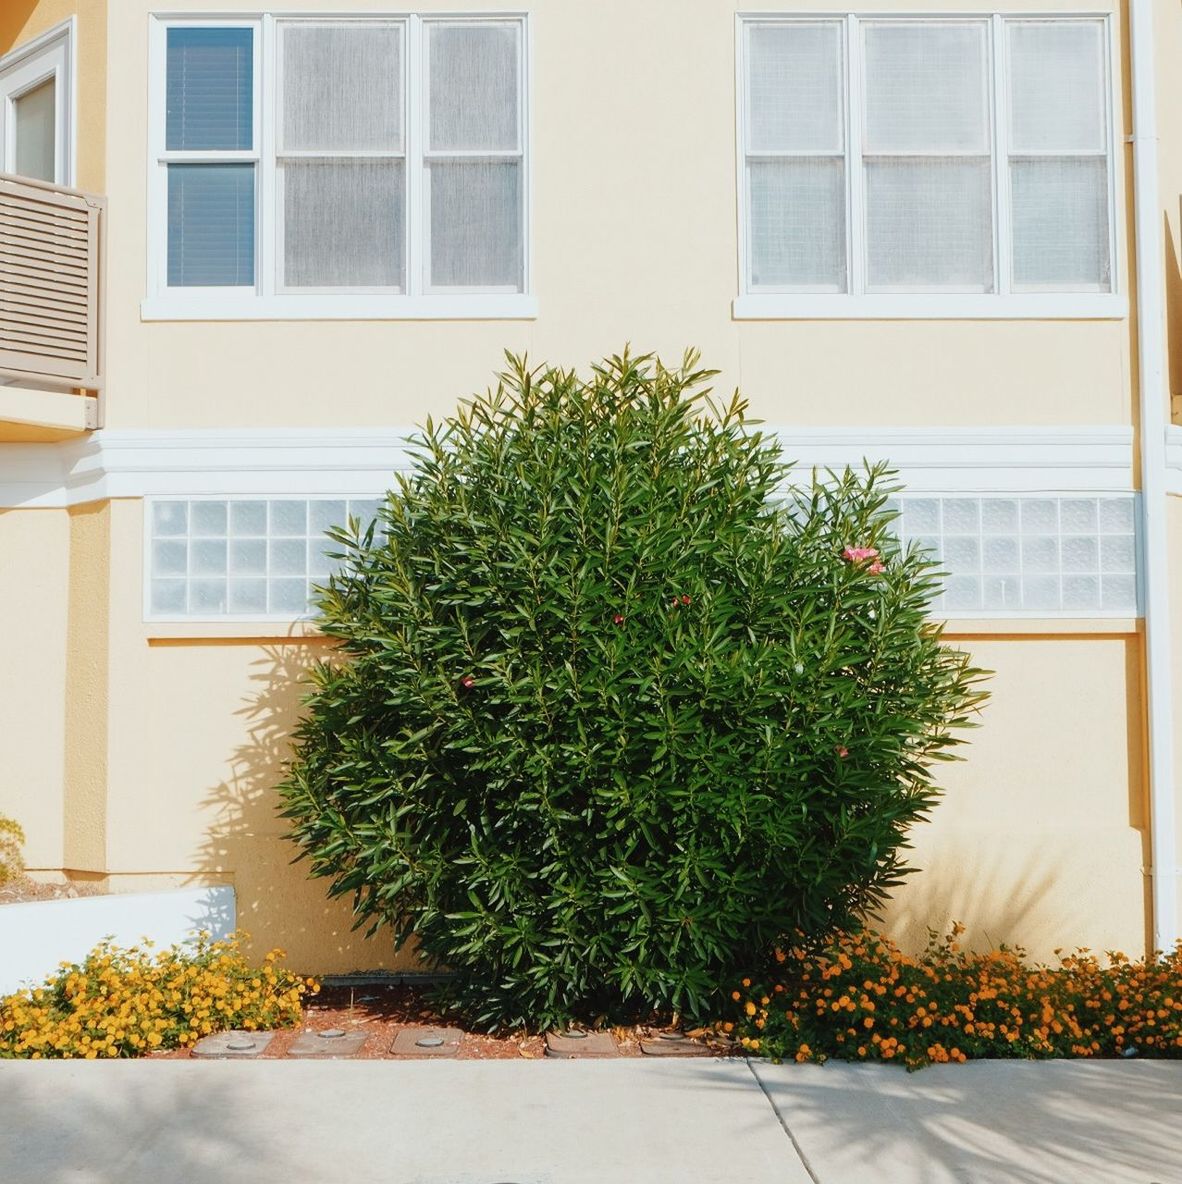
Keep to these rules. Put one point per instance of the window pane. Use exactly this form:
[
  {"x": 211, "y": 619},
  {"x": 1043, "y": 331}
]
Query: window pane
[
  {"x": 926, "y": 87},
  {"x": 1060, "y": 223},
  {"x": 343, "y": 223},
  {"x": 209, "y": 99},
  {"x": 1057, "y": 86},
  {"x": 794, "y": 87},
  {"x": 33, "y": 124},
  {"x": 210, "y": 225},
  {"x": 473, "y": 87},
  {"x": 929, "y": 224},
  {"x": 476, "y": 238},
  {"x": 342, "y": 86},
  {"x": 798, "y": 223}
]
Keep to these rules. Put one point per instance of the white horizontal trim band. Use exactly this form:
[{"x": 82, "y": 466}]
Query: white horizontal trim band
[
  {"x": 359, "y": 461},
  {"x": 930, "y": 306},
  {"x": 231, "y": 306}
]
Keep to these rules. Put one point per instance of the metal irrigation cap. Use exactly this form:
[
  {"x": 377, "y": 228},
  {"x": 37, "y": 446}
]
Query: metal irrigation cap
[
  {"x": 429, "y": 1041},
  {"x": 331, "y": 1033},
  {"x": 240, "y": 1043}
]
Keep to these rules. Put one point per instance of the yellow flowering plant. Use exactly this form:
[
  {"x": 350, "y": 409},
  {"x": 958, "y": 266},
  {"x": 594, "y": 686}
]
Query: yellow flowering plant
[
  {"x": 129, "y": 1002},
  {"x": 857, "y": 997}
]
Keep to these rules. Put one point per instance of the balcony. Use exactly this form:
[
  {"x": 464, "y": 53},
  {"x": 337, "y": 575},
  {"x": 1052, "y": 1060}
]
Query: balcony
[{"x": 51, "y": 310}]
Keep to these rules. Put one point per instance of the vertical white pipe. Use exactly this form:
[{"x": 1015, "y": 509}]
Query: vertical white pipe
[{"x": 1152, "y": 405}]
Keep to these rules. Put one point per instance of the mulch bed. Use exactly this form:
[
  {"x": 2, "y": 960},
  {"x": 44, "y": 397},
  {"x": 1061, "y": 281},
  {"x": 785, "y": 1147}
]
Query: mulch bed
[
  {"x": 381, "y": 1011},
  {"x": 21, "y": 890}
]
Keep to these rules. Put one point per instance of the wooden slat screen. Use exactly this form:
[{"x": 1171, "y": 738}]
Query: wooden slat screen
[{"x": 50, "y": 282}]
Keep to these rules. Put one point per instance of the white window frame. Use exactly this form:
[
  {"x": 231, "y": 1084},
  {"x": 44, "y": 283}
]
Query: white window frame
[
  {"x": 1001, "y": 304},
  {"x": 268, "y": 299},
  {"x": 49, "y": 56}
]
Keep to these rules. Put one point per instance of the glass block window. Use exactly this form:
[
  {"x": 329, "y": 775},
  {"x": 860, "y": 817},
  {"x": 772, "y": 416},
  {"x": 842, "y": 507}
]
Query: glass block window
[
  {"x": 1073, "y": 555},
  {"x": 942, "y": 154},
  {"x": 255, "y": 558}
]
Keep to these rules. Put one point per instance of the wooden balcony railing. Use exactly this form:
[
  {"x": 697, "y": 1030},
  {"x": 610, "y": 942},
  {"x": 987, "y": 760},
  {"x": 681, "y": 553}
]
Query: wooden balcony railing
[{"x": 51, "y": 284}]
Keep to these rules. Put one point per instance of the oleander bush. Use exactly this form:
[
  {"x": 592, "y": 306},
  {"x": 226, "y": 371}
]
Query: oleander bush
[
  {"x": 12, "y": 840},
  {"x": 612, "y": 710},
  {"x": 128, "y": 1002},
  {"x": 855, "y": 997}
]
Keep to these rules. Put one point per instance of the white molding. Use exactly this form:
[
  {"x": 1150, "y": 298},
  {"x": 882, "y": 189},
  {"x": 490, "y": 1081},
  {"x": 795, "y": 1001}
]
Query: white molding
[
  {"x": 50, "y": 55},
  {"x": 1174, "y": 459},
  {"x": 930, "y": 306},
  {"x": 359, "y": 461},
  {"x": 176, "y": 304}
]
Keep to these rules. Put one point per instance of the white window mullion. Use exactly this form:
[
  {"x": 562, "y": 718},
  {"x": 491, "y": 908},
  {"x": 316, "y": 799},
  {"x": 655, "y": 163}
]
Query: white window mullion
[
  {"x": 414, "y": 115},
  {"x": 856, "y": 224},
  {"x": 268, "y": 83},
  {"x": 1002, "y": 251}
]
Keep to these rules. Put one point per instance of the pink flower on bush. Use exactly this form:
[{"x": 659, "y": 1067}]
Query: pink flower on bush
[
  {"x": 842, "y": 751},
  {"x": 618, "y": 619},
  {"x": 467, "y": 682},
  {"x": 876, "y": 568},
  {"x": 859, "y": 554}
]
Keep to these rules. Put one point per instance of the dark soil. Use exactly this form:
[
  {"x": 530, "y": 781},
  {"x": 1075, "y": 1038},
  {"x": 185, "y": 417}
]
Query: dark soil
[{"x": 21, "y": 890}]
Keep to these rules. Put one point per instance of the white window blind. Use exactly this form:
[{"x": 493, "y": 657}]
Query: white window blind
[
  {"x": 957, "y": 156},
  {"x": 388, "y": 163}
]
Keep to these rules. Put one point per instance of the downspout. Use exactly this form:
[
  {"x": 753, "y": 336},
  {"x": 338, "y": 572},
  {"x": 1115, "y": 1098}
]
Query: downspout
[{"x": 1151, "y": 396}]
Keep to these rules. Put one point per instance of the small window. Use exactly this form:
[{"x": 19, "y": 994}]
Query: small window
[
  {"x": 36, "y": 125},
  {"x": 926, "y": 163},
  {"x": 384, "y": 176}
]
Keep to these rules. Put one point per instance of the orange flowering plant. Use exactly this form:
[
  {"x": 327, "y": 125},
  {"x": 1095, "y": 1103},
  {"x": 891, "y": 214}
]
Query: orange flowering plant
[
  {"x": 857, "y": 997},
  {"x": 128, "y": 1002}
]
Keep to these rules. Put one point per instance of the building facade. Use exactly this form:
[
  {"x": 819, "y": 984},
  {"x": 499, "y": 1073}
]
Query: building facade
[{"x": 243, "y": 252}]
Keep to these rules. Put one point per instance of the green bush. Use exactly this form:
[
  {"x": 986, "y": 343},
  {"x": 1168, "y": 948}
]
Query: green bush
[
  {"x": 857, "y": 998},
  {"x": 12, "y": 839},
  {"x": 604, "y": 721}
]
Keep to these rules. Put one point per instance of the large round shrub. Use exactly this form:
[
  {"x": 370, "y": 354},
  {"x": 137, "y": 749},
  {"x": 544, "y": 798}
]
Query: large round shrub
[{"x": 609, "y": 715}]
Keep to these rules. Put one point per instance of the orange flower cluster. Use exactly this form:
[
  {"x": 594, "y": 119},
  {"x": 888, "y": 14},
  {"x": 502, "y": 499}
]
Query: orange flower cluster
[
  {"x": 125, "y": 1003},
  {"x": 859, "y": 998}
]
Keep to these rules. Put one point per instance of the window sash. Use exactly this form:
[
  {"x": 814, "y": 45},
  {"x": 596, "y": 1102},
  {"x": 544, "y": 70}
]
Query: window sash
[
  {"x": 268, "y": 157},
  {"x": 857, "y": 158}
]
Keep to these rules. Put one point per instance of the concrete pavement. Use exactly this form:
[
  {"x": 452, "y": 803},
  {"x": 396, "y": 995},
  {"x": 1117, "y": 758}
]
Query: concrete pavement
[{"x": 587, "y": 1122}]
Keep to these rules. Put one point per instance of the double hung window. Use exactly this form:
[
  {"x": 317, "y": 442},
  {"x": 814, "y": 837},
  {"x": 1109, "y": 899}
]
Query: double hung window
[
  {"x": 350, "y": 167},
  {"x": 926, "y": 166}
]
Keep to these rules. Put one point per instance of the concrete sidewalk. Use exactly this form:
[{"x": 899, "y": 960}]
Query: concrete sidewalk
[{"x": 583, "y": 1122}]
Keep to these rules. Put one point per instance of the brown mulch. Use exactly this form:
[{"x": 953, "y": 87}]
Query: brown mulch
[
  {"x": 21, "y": 890},
  {"x": 382, "y": 1011}
]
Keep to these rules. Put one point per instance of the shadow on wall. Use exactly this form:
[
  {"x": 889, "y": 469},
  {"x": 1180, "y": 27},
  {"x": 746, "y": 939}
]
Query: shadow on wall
[{"x": 278, "y": 904}]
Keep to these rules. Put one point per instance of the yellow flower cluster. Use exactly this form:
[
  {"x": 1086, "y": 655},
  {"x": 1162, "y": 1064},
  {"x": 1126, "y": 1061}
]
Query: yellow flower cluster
[
  {"x": 858, "y": 997},
  {"x": 128, "y": 1002}
]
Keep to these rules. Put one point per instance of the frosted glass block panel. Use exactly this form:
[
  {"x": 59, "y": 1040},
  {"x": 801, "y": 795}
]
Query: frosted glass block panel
[
  {"x": 797, "y": 223},
  {"x": 1040, "y": 554},
  {"x": 929, "y": 543},
  {"x": 1001, "y": 593},
  {"x": 1000, "y": 554},
  {"x": 207, "y": 518},
  {"x": 288, "y": 596},
  {"x": 1078, "y": 515},
  {"x": 319, "y": 564},
  {"x": 1119, "y": 593},
  {"x": 344, "y": 223},
  {"x": 287, "y": 557},
  {"x": 248, "y": 518},
  {"x": 209, "y": 88},
  {"x": 1116, "y": 515},
  {"x": 288, "y": 517},
  {"x": 929, "y": 224},
  {"x": 962, "y": 593},
  {"x": 961, "y": 553},
  {"x": 1117, "y": 553},
  {"x": 365, "y": 510},
  {"x": 210, "y": 225},
  {"x": 208, "y": 557},
  {"x": 472, "y": 86},
  {"x": 342, "y": 86},
  {"x": 170, "y": 518},
  {"x": 325, "y": 514},
  {"x": 476, "y": 233},
  {"x": 1057, "y": 73},
  {"x": 207, "y": 597},
  {"x": 795, "y": 87},
  {"x": 1060, "y": 223},
  {"x": 1041, "y": 593},
  {"x": 170, "y": 558},
  {"x": 168, "y": 596},
  {"x": 34, "y": 126},
  {"x": 999, "y": 515},
  {"x": 1081, "y": 592},
  {"x": 1040, "y": 516},
  {"x": 248, "y": 596},
  {"x": 961, "y": 515},
  {"x": 248, "y": 557},
  {"x": 922, "y": 515},
  {"x": 926, "y": 86},
  {"x": 1080, "y": 553}
]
